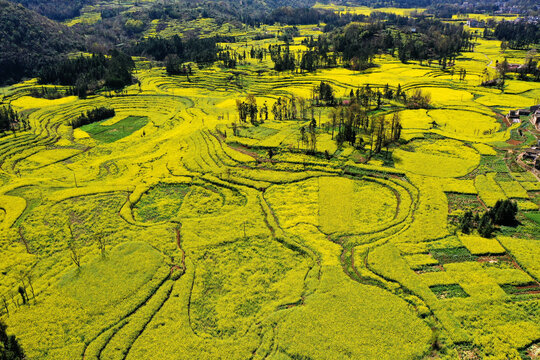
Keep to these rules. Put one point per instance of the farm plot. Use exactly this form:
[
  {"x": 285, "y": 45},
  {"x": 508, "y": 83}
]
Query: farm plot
[
  {"x": 338, "y": 205},
  {"x": 441, "y": 158}
]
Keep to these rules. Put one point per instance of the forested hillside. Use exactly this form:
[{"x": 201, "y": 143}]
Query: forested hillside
[
  {"x": 55, "y": 9},
  {"x": 28, "y": 41}
]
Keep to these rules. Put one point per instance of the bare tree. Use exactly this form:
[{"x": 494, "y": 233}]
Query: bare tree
[
  {"x": 100, "y": 241},
  {"x": 29, "y": 279},
  {"x": 5, "y": 304},
  {"x": 23, "y": 239},
  {"x": 75, "y": 256}
]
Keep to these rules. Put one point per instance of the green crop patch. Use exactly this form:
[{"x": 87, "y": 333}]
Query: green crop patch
[
  {"x": 491, "y": 163},
  {"x": 161, "y": 203},
  {"x": 534, "y": 216},
  {"x": 116, "y": 131},
  {"x": 428, "y": 269},
  {"x": 530, "y": 288},
  {"x": 259, "y": 132},
  {"x": 452, "y": 255},
  {"x": 448, "y": 291}
]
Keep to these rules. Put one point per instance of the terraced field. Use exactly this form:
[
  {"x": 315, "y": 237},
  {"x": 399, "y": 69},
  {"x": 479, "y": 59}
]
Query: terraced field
[{"x": 160, "y": 233}]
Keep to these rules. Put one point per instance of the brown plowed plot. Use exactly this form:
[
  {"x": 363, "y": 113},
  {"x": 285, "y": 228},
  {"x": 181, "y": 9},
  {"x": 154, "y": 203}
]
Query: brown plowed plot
[
  {"x": 464, "y": 202},
  {"x": 514, "y": 142},
  {"x": 468, "y": 352},
  {"x": 532, "y": 352}
]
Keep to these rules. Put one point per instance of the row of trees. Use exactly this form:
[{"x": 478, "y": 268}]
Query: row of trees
[
  {"x": 92, "y": 116},
  {"x": 11, "y": 120}
]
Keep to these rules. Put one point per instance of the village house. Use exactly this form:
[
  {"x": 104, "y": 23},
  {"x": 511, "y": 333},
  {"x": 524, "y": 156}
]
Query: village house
[
  {"x": 535, "y": 117},
  {"x": 514, "y": 68},
  {"x": 531, "y": 154},
  {"x": 514, "y": 116},
  {"x": 473, "y": 23}
]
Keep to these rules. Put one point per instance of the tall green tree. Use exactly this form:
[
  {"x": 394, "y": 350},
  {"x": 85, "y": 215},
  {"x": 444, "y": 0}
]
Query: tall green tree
[{"x": 9, "y": 346}]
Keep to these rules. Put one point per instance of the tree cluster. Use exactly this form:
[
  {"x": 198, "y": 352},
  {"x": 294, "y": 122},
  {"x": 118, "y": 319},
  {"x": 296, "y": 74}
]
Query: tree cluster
[
  {"x": 352, "y": 122},
  {"x": 518, "y": 35},
  {"x": 199, "y": 50},
  {"x": 308, "y": 136},
  {"x": 175, "y": 66},
  {"x": 325, "y": 94},
  {"x": 92, "y": 116},
  {"x": 247, "y": 109},
  {"x": 356, "y": 45},
  {"x": 420, "y": 39},
  {"x": 418, "y": 100},
  {"x": 318, "y": 54},
  {"x": 11, "y": 120},
  {"x": 503, "y": 213},
  {"x": 282, "y": 57},
  {"x": 90, "y": 73},
  {"x": 9, "y": 346}
]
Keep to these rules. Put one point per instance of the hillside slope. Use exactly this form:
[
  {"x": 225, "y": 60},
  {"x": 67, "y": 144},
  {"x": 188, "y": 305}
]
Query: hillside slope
[{"x": 29, "y": 40}]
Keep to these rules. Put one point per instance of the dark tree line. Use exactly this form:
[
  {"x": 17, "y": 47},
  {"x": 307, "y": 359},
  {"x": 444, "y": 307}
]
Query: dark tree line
[
  {"x": 9, "y": 346},
  {"x": 518, "y": 35},
  {"x": 199, "y": 50},
  {"x": 11, "y": 120},
  {"x": 92, "y": 116},
  {"x": 90, "y": 73}
]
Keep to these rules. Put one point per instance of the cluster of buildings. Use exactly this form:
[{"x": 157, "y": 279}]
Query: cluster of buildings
[
  {"x": 535, "y": 117},
  {"x": 514, "y": 116},
  {"x": 531, "y": 155}
]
